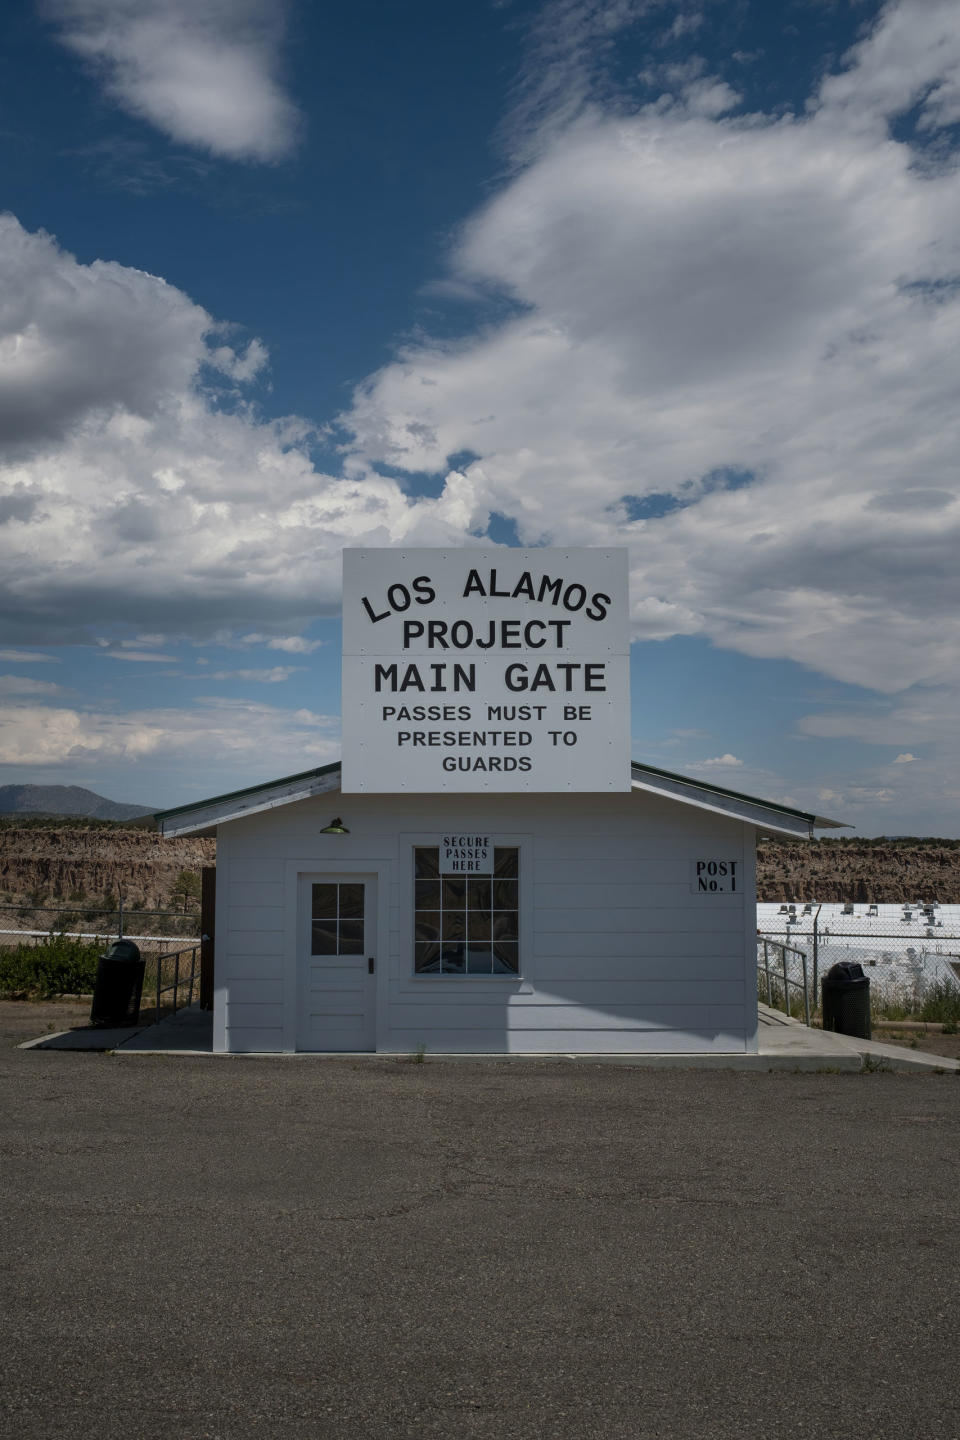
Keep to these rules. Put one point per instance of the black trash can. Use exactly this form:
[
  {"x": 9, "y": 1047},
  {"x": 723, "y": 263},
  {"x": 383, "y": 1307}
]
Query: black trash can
[
  {"x": 846, "y": 1000},
  {"x": 119, "y": 985}
]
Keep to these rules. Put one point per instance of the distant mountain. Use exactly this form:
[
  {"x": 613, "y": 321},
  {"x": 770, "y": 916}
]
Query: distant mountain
[{"x": 65, "y": 800}]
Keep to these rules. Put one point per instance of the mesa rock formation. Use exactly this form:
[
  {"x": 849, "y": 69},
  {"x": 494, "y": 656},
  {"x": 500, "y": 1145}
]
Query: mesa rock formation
[{"x": 81, "y": 865}]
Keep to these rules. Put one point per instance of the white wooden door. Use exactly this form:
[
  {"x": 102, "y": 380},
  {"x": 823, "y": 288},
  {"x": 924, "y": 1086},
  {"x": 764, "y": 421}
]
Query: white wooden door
[{"x": 338, "y": 932}]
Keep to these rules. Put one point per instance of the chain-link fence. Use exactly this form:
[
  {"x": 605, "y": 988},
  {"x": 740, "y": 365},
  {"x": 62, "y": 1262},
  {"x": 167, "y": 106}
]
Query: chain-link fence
[
  {"x": 149, "y": 928},
  {"x": 908, "y": 951}
]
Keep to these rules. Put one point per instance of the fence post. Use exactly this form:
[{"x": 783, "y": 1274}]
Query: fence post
[
  {"x": 158, "y": 990},
  {"x": 176, "y": 979},
  {"x": 786, "y": 983},
  {"x": 816, "y": 956},
  {"x": 766, "y": 966},
  {"x": 806, "y": 992}
]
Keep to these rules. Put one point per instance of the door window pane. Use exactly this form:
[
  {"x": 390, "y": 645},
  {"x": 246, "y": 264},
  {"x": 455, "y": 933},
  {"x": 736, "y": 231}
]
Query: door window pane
[
  {"x": 351, "y": 902},
  {"x": 324, "y": 902},
  {"x": 324, "y": 937},
  {"x": 351, "y": 937},
  {"x": 337, "y": 913}
]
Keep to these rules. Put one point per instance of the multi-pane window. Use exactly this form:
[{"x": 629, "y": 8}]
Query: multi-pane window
[
  {"x": 466, "y": 924},
  {"x": 336, "y": 919}
]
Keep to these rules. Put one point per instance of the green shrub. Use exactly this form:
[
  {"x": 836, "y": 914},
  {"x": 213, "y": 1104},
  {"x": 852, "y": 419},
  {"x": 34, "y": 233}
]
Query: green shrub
[
  {"x": 58, "y": 966},
  {"x": 941, "y": 1002}
]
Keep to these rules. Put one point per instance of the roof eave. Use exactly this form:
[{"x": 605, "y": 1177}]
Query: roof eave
[
  {"x": 765, "y": 814},
  {"x": 205, "y": 816}
]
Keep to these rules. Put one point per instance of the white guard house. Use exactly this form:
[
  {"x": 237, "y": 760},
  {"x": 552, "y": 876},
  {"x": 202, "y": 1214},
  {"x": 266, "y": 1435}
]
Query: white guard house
[
  {"x": 487, "y": 873},
  {"x": 592, "y": 924}
]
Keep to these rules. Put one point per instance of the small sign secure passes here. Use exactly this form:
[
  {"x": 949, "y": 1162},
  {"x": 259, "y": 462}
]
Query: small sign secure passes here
[{"x": 466, "y": 855}]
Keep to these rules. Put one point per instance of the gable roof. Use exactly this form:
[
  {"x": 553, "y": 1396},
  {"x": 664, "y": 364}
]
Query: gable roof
[{"x": 766, "y": 814}]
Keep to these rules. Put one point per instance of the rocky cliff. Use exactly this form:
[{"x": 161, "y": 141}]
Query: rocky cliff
[
  {"x": 84, "y": 864},
  {"x": 859, "y": 870}
]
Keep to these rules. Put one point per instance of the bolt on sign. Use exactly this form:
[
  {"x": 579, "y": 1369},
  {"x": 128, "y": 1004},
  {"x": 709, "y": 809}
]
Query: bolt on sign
[{"x": 485, "y": 670}]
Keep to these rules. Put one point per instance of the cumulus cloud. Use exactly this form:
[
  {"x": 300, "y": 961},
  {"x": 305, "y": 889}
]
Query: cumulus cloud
[
  {"x": 238, "y": 733},
  {"x": 140, "y": 656},
  {"x": 755, "y": 315},
  {"x": 904, "y": 759},
  {"x": 204, "y": 72},
  {"x": 290, "y": 644},
  {"x": 275, "y": 676},
  {"x": 718, "y": 762},
  {"x": 82, "y": 340},
  {"x": 154, "y": 501},
  {"x": 29, "y": 657}
]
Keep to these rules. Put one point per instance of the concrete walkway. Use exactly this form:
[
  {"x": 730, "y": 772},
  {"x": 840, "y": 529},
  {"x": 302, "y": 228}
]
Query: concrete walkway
[
  {"x": 789, "y": 1044},
  {"x": 784, "y": 1044}
]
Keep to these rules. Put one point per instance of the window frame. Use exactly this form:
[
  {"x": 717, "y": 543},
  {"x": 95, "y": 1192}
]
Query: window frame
[{"x": 521, "y": 982}]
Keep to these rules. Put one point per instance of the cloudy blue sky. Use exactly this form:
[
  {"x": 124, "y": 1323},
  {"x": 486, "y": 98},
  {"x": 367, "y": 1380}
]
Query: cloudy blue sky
[{"x": 683, "y": 277}]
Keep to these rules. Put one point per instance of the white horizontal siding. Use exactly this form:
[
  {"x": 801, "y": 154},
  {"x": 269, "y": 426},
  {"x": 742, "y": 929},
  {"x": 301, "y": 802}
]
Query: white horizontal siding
[
  {"x": 241, "y": 1039},
  {"x": 611, "y": 997},
  {"x": 265, "y": 868},
  {"x": 241, "y": 1014},
  {"x": 577, "y": 973},
  {"x": 256, "y": 966},
  {"x": 251, "y": 942},
  {"x": 649, "y": 920},
  {"x": 623, "y": 957},
  {"x": 572, "y": 1042},
  {"x": 673, "y": 1015},
  {"x": 262, "y": 991},
  {"x": 600, "y": 895},
  {"x": 653, "y": 870},
  {"x": 245, "y": 919},
  {"x": 244, "y": 893},
  {"x": 592, "y": 948}
]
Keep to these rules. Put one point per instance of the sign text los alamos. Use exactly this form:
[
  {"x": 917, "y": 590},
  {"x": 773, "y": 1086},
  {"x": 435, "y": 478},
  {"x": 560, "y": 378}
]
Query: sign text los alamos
[{"x": 470, "y": 670}]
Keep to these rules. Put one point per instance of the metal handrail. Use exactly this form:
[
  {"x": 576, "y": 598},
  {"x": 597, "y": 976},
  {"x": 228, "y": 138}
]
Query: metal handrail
[
  {"x": 786, "y": 978},
  {"x": 177, "y": 983}
]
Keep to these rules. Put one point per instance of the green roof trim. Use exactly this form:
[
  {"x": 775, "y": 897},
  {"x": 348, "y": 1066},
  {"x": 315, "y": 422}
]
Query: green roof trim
[
  {"x": 723, "y": 790},
  {"x": 635, "y": 765},
  {"x": 249, "y": 790}
]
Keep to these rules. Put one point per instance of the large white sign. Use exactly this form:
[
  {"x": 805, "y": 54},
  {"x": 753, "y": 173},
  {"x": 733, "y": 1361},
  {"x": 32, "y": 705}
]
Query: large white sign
[{"x": 496, "y": 670}]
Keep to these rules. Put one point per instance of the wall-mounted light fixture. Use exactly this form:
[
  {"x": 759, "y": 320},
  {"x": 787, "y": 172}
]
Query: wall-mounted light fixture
[{"x": 336, "y": 827}]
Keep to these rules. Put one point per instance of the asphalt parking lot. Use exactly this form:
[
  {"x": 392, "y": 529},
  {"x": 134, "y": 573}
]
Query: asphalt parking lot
[{"x": 207, "y": 1247}]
